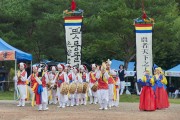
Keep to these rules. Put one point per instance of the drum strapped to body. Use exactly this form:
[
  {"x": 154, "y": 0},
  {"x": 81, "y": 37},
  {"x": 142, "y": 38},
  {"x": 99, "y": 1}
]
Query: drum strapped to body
[
  {"x": 95, "y": 87},
  {"x": 72, "y": 88},
  {"x": 79, "y": 87},
  {"x": 64, "y": 88},
  {"x": 85, "y": 87}
]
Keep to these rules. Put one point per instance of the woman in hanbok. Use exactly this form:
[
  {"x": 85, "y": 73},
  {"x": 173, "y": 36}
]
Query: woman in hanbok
[
  {"x": 161, "y": 95},
  {"x": 147, "y": 96}
]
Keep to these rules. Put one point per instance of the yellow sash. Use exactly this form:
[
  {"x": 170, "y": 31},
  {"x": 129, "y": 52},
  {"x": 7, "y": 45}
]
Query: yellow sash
[
  {"x": 92, "y": 76},
  {"x": 27, "y": 91},
  {"x": 33, "y": 100},
  {"x": 104, "y": 79}
]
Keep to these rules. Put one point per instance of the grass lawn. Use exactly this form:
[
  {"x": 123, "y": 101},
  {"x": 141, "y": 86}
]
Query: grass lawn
[{"x": 9, "y": 95}]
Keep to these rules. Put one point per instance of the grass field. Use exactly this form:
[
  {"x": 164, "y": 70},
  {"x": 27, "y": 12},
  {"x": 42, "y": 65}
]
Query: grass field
[{"x": 9, "y": 95}]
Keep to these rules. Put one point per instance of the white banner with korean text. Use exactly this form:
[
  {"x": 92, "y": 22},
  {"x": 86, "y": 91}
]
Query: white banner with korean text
[
  {"x": 143, "y": 49},
  {"x": 73, "y": 40}
]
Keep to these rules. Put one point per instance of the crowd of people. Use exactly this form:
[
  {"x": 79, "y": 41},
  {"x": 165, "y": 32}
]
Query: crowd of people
[{"x": 70, "y": 86}]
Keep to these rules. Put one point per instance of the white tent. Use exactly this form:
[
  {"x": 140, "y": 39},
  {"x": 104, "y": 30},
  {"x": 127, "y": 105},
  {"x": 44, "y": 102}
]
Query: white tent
[{"x": 173, "y": 72}]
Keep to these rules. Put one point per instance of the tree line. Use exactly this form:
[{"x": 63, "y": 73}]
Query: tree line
[{"x": 37, "y": 27}]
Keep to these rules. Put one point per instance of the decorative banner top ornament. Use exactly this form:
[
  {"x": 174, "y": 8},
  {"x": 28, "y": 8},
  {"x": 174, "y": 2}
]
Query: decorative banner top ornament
[
  {"x": 144, "y": 19},
  {"x": 73, "y": 11}
]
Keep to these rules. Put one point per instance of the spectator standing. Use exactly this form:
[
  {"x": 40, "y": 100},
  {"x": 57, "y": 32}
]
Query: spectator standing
[{"x": 121, "y": 73}]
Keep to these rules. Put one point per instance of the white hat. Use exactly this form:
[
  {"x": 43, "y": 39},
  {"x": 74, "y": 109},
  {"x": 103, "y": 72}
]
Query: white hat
[
  {"x": 53, "y": 68},
  {"x": 93, "y": 65},
  {"x": 81, "y": 67},
  {"x": 114, "y": 73},
  {"x": 109, "y": 62},
  {"x": 35, "y": 67},
  {"x": 21, "y": 64},
  {"x": 60, "y": 66}
]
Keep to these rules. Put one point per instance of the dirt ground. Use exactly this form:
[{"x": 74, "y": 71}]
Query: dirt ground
[{"x": 126, "y": 111}]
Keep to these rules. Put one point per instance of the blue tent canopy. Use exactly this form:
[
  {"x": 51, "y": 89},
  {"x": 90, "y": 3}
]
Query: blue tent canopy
[
  {"x": 176, "y": 68},
  {"x": 130, "y": 70},
  {"x": 19, "y": 55},
  {"x": 115, "y": 65}
]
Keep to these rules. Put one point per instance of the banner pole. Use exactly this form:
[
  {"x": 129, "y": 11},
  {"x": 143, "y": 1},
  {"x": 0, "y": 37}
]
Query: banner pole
[{"x": 14, "y": 81}]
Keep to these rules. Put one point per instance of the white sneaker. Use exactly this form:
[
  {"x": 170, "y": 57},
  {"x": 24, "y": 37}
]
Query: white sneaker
[
  {"x": 50, "y": 102},
  {"x": 72, "y": 105},
  {"x": 19, "y": 105},
  {"x": 105, "y": 108},
  {"x": 67, "y": 105},
  {"x": 39, "y": 109},
  {"x": 46, "y": 109},
  {"x": 100, "y": 108},
  {"x": 59, "y": 106},
  {"x": 63, "y": 106}
]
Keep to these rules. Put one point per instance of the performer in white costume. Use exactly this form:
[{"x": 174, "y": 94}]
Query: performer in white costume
[
  {"x": 20, "y": 79},
  {"x": 71, "y": 77},
  {"x": 62, "y": 78},
  {"x": 92, "y": 80},
  {"x": 44, "y": 94},
  {"x": 53, "y": 87},
  {"x": 117, "y": 87},
  {"x": 77, "y": 80},
  {"x": 111, "y": 83},
  {"x": 103, "y": 87},
  {"x": 85, "y": 79}
]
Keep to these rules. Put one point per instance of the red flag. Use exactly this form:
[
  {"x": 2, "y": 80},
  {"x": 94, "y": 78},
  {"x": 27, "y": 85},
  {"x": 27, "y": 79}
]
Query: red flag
[
  {"x": 73, "y": 5},
  {"x": 144, "y": 16}
]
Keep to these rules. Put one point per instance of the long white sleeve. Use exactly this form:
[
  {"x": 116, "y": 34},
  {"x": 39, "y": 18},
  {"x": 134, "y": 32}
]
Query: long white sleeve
[
  {"x": 106, "y": 75},
  {"x": 46, "y": 77},
  {"x": 118, "y": 82},
  {"x": 29, "y": 78},
  {"x": 73, "y": 77},
  {"x": 66, "y": 79},
  {"x": 98, "y": 74},
  {"x": 15, "y": 78},
  {"x": 79, "y": 78},
  {"x": 87, "y": 77}
]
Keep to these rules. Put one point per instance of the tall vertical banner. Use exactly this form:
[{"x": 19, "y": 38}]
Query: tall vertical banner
[
  {"x": 143, "y": 49},
  {"x": 73, "y": 39}
]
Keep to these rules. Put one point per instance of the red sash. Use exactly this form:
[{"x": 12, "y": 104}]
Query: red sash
[
  {"x": 60, "y": 80},
  {"x": 102, "y": 84},
  {"x": 20, "y": 82}
]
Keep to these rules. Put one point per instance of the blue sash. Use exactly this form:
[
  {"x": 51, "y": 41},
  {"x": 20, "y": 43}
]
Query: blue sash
[
  {"x": 60, "y": 81},
  {"x": 147, "y": 83}
]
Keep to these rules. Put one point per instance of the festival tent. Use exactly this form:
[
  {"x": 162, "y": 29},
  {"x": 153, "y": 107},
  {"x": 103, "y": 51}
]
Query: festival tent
[
  {"x": 130, "y": 70},
  {"x": 10, "y": 53},
  {"x": 18, "y": 54},
  {"x": 173, "y": 72}
]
